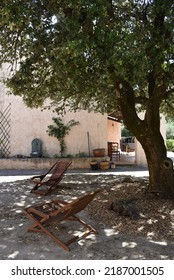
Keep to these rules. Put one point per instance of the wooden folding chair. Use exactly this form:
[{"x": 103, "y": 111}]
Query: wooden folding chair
[
  {"x": 48, "y": 184},
  {"x": 57, "y": 211}
]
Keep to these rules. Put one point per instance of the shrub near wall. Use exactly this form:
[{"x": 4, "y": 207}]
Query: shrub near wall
[{"x": 170, "y": 145}]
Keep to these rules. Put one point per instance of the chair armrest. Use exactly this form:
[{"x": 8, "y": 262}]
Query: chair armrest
[
  {"x": 38, "y": 177},
  {"x": 31, "y": 210}
]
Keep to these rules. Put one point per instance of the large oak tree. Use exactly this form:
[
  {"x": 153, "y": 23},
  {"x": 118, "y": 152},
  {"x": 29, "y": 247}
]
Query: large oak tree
[{"x": 107, "y": 55}]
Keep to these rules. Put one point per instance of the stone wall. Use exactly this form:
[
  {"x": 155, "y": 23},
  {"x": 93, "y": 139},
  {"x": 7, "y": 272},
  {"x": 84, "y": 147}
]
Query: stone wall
[{"x": 44, "y": 163}]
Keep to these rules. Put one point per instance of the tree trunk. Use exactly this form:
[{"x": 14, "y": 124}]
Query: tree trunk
[
  {"x": 161, "y": 173},
  {"x": 161, "y": 177},
  {"x": 147, "y": 132}
]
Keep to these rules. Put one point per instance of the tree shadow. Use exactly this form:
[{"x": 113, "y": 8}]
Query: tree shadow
[{"x": 108, "y": 243}]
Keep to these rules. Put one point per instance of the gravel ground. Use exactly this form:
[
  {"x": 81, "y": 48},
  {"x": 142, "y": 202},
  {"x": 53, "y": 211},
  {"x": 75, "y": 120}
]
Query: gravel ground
[{"x": 119, "y": 237}]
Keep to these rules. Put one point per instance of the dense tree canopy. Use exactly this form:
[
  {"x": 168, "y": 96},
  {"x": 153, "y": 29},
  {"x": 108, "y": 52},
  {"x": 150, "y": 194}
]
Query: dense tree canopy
[
  {"x": 79, "y": 50},
  {"x": 111, "y": 55}
]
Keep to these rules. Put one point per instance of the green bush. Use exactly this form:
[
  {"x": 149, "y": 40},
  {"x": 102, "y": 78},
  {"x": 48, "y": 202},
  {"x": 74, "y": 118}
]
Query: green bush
[
  {"x": 169, "y": 128},
  {"x": 60, "y": 130},
  {"x": 81, "y": 154},
  {"x": 125, "y": 132},
  {"x": 170, "y": 145}
]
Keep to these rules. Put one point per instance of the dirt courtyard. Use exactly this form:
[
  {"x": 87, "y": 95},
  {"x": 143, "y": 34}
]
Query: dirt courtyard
[{"x": 151, "y": 236}]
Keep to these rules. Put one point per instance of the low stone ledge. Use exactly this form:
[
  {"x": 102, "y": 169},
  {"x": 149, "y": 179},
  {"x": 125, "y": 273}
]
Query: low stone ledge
[{"x": 44, "y": 163}]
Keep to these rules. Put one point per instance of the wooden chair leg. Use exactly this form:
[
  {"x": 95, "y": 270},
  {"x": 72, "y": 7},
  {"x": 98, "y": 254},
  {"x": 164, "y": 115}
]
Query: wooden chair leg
[{"x": 38, "y": 227}]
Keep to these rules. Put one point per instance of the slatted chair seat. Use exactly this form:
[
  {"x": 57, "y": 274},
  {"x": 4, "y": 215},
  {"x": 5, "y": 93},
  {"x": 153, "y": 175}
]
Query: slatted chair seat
[
  {"x": 57, "y": 211},
  {"x": 45, "y": 184}
]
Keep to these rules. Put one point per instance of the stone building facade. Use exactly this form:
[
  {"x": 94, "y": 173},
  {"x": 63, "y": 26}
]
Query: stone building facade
[{"x": 19, "y": 125}]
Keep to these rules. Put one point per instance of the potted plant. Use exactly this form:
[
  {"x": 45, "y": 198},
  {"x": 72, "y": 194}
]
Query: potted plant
[
  {"x": 113, "y": 165},
  {"x": 100, "y": 152},
  {"x": 104, "y": 164},
  {"x": 94, "y": 164}
]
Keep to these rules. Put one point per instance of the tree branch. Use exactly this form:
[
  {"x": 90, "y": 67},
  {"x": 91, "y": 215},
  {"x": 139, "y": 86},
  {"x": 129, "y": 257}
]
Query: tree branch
[
  {"x": 141, "y": 100},
  {"x": 110, "y": 9}
]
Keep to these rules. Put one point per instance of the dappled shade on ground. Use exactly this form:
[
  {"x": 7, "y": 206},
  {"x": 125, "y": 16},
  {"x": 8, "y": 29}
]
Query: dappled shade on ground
[
  {"x": 156, "y": 219},
  {"x": 119, "y": 237}
]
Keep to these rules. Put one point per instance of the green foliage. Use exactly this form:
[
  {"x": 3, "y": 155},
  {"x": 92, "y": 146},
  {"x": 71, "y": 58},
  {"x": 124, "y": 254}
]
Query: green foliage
[
  {"x": 125, "y": 132},
  {"x": 78, "y": 52},
  {"x": 170, "y": 145},
  {"x": 170, "y": 129},
  {"x": 69, "y": 156},
  {"x": 57, "y": 156},
  {"x": 81, "y": 155},
  {"x": 60, "y": 130}
]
